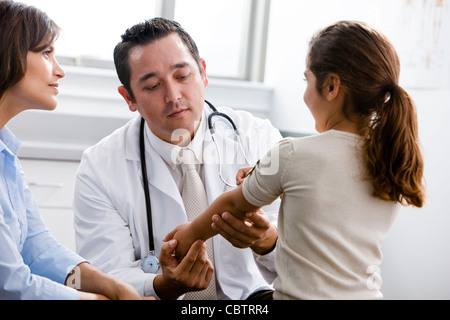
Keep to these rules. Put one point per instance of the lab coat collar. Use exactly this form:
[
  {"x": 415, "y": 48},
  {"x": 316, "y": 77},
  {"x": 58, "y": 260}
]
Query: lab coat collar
[
  {"x": 132, "y": 144},
  {"x": 169, "y": 152}
]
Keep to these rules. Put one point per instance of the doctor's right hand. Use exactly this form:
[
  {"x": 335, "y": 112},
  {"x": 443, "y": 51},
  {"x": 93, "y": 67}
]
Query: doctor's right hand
[{"x": 193, "y": 273}]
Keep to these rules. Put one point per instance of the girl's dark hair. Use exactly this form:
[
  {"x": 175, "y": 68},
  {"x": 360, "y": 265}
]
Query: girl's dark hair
[
  {"x": 23, "y": 28},
  {"x": 369, "y": 69},
  {"x": 145, "y": 33}
]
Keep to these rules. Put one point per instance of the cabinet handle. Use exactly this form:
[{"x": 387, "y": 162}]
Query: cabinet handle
[{"x": 47, "y": 185}]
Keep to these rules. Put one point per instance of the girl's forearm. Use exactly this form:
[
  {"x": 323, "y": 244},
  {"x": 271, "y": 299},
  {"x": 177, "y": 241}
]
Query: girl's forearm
[
  {"x": 201, "y": 226},
  {"x": 232, "y": 201}
]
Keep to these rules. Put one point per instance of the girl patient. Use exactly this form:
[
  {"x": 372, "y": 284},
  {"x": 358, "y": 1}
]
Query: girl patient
[{"x": 341, "y": 189}]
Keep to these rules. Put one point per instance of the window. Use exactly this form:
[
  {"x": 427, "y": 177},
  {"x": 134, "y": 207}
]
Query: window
[
  {"x": 230, "y": 34},
  {"x": 220, "y": 30},
  {"x": 91, "y": 29}
]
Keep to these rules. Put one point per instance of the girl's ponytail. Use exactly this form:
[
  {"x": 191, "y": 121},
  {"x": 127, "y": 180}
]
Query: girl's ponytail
[{"x": 392, "y": 151}]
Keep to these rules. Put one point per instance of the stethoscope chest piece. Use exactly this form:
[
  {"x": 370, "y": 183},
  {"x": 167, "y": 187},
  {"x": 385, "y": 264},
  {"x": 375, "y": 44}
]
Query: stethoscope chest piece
[{"x": 150, "y": 264}]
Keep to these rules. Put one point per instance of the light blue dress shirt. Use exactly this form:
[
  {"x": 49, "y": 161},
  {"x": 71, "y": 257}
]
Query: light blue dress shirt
[{"x": 33, "y": 265}]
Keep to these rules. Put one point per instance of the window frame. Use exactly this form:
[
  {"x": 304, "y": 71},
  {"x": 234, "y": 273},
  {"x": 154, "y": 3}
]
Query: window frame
[{"x": 253, "y": 55}]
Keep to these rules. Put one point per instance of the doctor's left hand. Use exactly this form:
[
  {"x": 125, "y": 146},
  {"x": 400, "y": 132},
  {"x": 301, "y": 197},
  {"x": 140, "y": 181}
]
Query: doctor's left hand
[{"x": 193, "y": 273}]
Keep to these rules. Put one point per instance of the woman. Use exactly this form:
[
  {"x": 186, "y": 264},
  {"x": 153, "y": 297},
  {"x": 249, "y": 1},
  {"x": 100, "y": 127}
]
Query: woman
[
  {"x": 33, "y": 265},
  {"x": 340, "y": 189}
]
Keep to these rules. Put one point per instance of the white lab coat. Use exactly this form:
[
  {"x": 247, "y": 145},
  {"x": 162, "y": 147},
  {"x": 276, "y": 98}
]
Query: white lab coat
[{"x": 110, "y": 213}]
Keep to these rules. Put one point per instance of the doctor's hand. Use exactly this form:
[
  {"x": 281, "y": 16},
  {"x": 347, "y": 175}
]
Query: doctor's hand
[
  {"x": 193, "y": 273},
  {"x": 255, "y": 232}
]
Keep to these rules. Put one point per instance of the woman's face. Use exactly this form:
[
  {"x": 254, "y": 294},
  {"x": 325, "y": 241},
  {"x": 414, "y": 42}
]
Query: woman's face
[{"x": 39, "y": 87}]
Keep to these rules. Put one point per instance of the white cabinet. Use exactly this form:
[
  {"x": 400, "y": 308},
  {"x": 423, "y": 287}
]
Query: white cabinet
[{"x": 52, "y": 185}]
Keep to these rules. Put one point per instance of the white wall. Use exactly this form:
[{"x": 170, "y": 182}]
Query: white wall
[
  {"x": 292, "y": 23},
  {"x": 417, "y": 251}
]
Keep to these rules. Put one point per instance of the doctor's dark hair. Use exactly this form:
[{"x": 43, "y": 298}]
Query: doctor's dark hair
[
  {"x": 369, "y": 69},
  {"x": 145, "y": 33},
  {"x": 23, "y": 28}
]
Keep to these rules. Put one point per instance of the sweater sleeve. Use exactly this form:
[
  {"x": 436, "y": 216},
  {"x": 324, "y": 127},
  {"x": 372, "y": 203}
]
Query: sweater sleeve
[{"x": 265, "y": 184}]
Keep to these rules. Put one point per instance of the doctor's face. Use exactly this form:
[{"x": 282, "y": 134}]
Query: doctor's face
[{"x": 168, "y": 87}]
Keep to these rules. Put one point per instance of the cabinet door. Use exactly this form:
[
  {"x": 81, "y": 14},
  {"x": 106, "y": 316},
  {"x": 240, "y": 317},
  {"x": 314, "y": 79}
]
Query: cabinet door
[
  {"x": 52, "y": 185},
  {"x": 51, "y": 182}
]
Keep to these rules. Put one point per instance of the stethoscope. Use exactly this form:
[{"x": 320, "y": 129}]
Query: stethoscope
[{"x": 150, "y": 264}]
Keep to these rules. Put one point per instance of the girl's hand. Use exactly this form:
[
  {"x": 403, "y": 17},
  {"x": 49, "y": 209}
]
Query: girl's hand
[
  {"x": 185, "y": 238},
  {"x": 242, "y": 174}
]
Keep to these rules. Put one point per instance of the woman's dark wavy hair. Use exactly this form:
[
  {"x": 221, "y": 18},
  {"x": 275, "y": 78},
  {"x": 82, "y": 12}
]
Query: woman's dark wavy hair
[
  {"x": 369, "y": 69},
  {"x": 23, "y": 28}
]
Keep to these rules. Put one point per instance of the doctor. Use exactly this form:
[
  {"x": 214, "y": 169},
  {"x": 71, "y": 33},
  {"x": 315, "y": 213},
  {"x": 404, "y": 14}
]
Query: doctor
[{"x": 164, "y": 80}]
